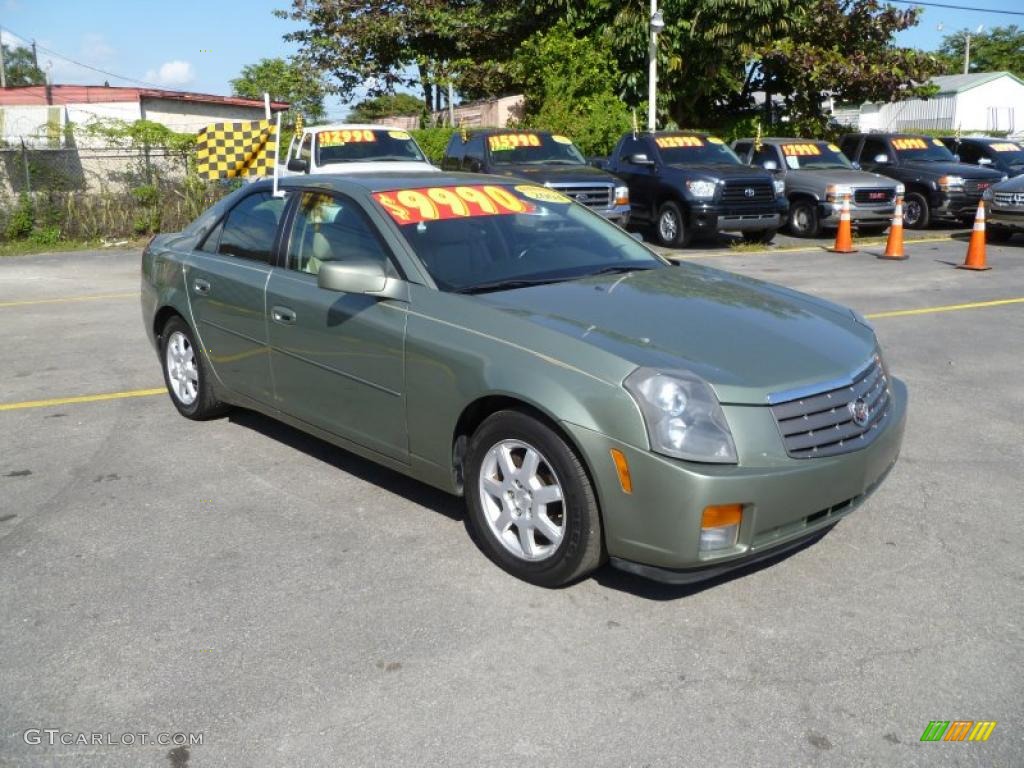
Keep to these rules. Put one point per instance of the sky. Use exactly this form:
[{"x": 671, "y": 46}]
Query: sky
[{"x": 201, "y": 45}]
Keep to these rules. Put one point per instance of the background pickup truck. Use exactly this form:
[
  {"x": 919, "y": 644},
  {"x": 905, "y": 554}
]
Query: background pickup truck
[
  {"x": 1001, "y": 155},
  {"x": 818, "y": 176},
  {"x": 937, "y": 185},
  {"x": 541, "y": 158},
  {"x": 347, "y": 148},
  {"x": 686, "y": 184}
]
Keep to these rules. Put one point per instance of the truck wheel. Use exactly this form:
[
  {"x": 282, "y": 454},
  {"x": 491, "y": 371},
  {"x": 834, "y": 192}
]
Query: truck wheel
[
  {"x": 916, "y": 213},
  {"x": 671, "y": 226},
  {"x": 761, "y": 236},
  {"x": 803, "y": 219}
]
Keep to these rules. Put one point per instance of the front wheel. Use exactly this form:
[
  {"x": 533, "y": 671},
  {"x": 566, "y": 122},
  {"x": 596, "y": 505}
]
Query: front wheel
[
  {"x": 916, "y": 213},
  {"x": 803, "y": 219},
  {"x": 760, "y": 237},
  {"x": 185, "y": 373},
  {"x": 531, "y": 505},
  {"x": 671, "y": 227}
]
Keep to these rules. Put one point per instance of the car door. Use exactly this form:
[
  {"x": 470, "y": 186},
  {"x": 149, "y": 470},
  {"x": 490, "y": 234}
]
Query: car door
[
  {"x": 641, "y": 179},
  {"x": 338, "y": 359},
  {"x": 874, "y": 148},
  {"x": 474, "y": 159},
  {"x": 226, "y": 280}
]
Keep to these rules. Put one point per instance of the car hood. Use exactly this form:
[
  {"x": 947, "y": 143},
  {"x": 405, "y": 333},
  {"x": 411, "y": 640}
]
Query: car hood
[
  {"x": 954, "y": 169},
  {"x": 377, "y": 166},
  {"x": 745, "y": 337},
  {"x": 556, "y": 174},
  {"x": 842, "y": 176},
  {"x": 1012, "y": 184}
]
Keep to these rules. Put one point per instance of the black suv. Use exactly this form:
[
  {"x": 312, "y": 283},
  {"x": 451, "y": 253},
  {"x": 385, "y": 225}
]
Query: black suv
[
  {"x": 688, "y": 183},
  {"x": 998, "y": 154},
  {"x": 937, "y": 185},
  {"x": 542, "y": 158}
]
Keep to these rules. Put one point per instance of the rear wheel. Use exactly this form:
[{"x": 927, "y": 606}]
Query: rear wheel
[
  {"x": 531, "y": 505},
  {"x": 916, "y": 213},
  {"x": 803, "y": 219},
  {"x": 670, "y": 226},
  {"x": 185, "y": 373}
]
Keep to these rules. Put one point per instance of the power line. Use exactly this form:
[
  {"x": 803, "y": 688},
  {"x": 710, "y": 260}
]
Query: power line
[
  {"x": 957, "y": 7},
  {"x": 80, "y": 64}
]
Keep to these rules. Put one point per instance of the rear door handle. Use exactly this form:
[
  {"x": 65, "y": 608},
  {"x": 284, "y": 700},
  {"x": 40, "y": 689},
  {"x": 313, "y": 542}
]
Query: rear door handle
[
  {"x": 283, "y": 315},
  {"x": 201, "y": 286}
]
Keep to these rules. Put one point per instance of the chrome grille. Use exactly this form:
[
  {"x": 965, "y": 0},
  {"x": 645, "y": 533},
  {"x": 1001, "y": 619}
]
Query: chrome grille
[
  {"x": 735, "y": 192},
  {"x": 821, "y": 422},
  {"x": 1015, "y": 199},
  {"x": 974, "y": 187},
  {"x": 879, "y": 196},
  {"x": 590, "y": 195}
]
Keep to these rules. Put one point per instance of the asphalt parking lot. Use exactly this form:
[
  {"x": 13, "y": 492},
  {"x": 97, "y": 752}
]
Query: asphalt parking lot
[{"x": 297, "y": 606}]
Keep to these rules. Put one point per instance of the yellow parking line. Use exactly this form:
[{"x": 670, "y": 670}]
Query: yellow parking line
[
  {"x": 95, "y": 297},
  {"x": 946, "y": 308},
  {"x": 802, "y": 249},
  {"x": 80, "y": 399}
]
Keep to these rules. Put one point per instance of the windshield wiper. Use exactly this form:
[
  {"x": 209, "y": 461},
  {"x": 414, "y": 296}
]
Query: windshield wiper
[
  {"x": 506, "y": 285},
  {"x": 618, "y": 268}
]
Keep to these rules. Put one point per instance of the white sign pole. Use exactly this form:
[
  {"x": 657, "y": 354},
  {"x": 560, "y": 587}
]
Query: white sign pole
[{"x": 277, "y": 158}]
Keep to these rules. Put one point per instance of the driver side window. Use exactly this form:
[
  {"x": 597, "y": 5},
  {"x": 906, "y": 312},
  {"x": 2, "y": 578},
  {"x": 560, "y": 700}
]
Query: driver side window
[{"x": 332, "y": 228}]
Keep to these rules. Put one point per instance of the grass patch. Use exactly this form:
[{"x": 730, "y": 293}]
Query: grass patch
[
  {"x": 742, "y": 246},
  {"x": 28, "y": 248}
]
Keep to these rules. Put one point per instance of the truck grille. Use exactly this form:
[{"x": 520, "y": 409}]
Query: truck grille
[
  {"x": 975, "y": 187},
  {"x": 879, "y": 196},
  {"x": 1015, "y": 199},
  {"x": 821, "y": 423},
  {"x": 590, "y": 195},
  {"x": 736, "y": 192}
]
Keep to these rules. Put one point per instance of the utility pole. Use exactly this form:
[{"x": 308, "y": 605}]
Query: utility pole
[
  {"x": 655, "y": 24},
  {"x": 967, "y": 54},
  {"x": 3, "y": 69}
]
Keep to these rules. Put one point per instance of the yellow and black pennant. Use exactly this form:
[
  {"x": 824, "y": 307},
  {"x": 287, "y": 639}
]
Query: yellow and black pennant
[{"x": 231, "y": 150}]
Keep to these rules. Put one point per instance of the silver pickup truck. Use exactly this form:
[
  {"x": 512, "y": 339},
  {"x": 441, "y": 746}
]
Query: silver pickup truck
[{"x": 818, "y": 175}]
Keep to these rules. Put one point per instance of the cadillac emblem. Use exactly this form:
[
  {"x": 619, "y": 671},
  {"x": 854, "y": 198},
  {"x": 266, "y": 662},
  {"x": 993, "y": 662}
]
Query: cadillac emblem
[{"x": 859, "y": 411}]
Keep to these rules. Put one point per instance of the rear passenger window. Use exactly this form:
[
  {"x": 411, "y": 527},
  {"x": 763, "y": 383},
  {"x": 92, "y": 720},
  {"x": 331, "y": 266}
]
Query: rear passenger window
[
  {"x": 849, "y": 147},
  {"x": 251, "y": 226},
  {"x": 453, "y": 155}
]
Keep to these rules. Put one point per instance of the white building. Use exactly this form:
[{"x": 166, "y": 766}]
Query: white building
[{"x": 980, "y": 102}]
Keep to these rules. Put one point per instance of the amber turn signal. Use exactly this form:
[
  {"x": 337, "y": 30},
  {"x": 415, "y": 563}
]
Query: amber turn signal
[
  {"x": 721, "y": 516},
  {"x": 622, "y": 469}
]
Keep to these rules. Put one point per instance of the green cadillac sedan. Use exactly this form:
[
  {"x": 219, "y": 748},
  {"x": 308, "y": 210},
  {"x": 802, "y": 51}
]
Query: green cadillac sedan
[{"x": 589, "y": 399}]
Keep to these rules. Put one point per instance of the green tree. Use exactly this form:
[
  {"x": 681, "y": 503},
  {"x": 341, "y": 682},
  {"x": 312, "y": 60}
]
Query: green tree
[
  {"x": 20, "y": 68},
  {"x": 373, "y": 109},
  {"x": 999, "y": 50},
  {"x": 289, "y": 81}
]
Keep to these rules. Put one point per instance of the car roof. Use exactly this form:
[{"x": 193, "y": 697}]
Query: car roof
[
  {"x": 785, "y": 140},
  {"x": 349, "y": 127},
  {"x": 979, "y": 139},
  {"x": 380, "y": 181}
]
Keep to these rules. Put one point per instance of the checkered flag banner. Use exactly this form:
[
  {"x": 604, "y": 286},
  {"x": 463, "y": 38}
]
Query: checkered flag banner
[{"x": 231, "y": 150}]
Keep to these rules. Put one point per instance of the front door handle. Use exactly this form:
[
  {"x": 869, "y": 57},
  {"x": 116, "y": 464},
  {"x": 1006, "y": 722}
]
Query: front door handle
[
  {"x": 283, "y": 315},
  {"x": 201, "y": 286}
]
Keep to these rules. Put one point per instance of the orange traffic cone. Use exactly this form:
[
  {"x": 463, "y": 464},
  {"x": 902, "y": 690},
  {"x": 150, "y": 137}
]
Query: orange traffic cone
[
  {"x": 976, "y": 248},
  {"x": 894, "y": 245},
  {"x": 844, "y": 235}
]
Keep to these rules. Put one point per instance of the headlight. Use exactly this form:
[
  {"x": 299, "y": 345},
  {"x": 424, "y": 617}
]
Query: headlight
[
  {"x": 900, "y": 189},
  {"x": 682, "y": 415},
  {"x": 701, "y": 188},
  {"x": 622, "y": 195},
  {"x": 951, "y": 182},
  {"x": 837, "y": 192},
  {"x": 780, "y": 186}
]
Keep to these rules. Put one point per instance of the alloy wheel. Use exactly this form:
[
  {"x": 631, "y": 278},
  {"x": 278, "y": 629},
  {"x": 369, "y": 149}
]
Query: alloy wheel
[{"x": 182, "y": 372}]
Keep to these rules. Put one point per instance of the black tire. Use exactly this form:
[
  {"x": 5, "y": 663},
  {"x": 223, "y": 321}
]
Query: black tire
[
  {"x": 580, "y": 550},
  {"x": 205, "y": 404},
  {"x": 916, "y": 212},
  {"x": 761, "y": 236},
  {"x": 997, "y": 234},
  {"x": 670, "y": 226},
  {"x": 803, "y": 219}
]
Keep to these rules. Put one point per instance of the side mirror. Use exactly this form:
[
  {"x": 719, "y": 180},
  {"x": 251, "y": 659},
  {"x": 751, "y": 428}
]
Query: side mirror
[
  {"x": 640, "y": 159},
  {"x": 770, "y": 165},
  {"x": 881, "y": 159},
  {"x": 366, "y": 277},
  {"x": 298, "y": 165}
]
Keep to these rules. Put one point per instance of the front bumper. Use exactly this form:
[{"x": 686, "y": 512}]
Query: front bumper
[
  {"x": 655, "y": 530},
  {"x": 618, "y": 215},
  {"x": 706, "y": 218},
  {"x": 829, "y": 213},
  {"x": 1011, "y": 218},
  {"x": 955, "y": 205}
]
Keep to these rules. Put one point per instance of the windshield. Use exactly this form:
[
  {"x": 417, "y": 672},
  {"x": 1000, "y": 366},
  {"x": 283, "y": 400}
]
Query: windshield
[
  {"x": 922, "y": 148},
  {"x": 812, "y": 155},
  {"x": 1008, "y": 152},
  {"x": 687, "y": 149},
  {"x": 478, "y": 238},
  {"x": 360, "y": 145},
  {"x": 533, "y": 149}
]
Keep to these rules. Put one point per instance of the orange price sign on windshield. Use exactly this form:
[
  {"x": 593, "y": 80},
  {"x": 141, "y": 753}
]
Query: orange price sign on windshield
[
  {"x": 666, "y": 142},
  {"x": 800, "y": 150},
  {"x": 411, "y": 206},
  {"x": 910, "y": 143},
  {"x": 505, "y": 141},
  {"x": 340, "y": 138}
]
